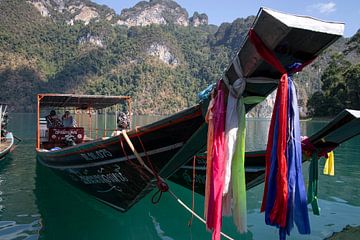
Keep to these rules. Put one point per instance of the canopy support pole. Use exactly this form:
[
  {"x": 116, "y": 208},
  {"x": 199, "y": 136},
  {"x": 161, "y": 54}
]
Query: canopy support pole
[{"x": 105, "y": 125}]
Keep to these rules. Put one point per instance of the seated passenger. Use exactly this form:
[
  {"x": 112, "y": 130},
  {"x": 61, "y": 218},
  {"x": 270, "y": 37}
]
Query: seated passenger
[
  {"x": 5, "y": 120},
  {"x": 52, "y": 120},
  {"x": 68, "y": 120},
  {"x": 4, "y": 123},
  {"x": 123, "y": 122},
  {"x": 3, "y": 135}
]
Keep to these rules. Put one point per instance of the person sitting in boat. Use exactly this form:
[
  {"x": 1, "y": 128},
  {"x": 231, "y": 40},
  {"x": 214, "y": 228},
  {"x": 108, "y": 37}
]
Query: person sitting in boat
[
  {"x": 5, "y": 120},
  {"x": 68, "y": 120},
  {"x": 123, "y": 122},
  {"x": 3, "y": 135},
  {"x": 52, "y": 120}
]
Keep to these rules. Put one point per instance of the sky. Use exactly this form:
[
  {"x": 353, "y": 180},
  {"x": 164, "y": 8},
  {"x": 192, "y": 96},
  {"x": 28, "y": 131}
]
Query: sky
[{"x": 219, "y": 11}]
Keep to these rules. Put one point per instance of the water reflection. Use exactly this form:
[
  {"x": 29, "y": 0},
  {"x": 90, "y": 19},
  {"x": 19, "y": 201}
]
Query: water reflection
[
  {"x": 34, "y": 203},
  {"x": 19, "y": 218},
  {"x": 68, "y": 213}
]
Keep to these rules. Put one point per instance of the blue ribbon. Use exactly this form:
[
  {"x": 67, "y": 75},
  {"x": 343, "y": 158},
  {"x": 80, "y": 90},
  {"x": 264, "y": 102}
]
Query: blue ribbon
[
  {"x": 297, "y": 203},
  {"x": 271, "y": 194}
]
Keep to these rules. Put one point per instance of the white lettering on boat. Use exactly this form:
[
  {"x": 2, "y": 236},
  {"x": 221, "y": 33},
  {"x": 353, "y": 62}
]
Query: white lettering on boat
[
  {"x": 66, "y": 131},
  {"x": 96, "y": 155},
  {"x": 117, "y": 177}
]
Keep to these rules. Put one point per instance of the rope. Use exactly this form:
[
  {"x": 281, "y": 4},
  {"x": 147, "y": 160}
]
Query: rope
[
  {"x": 193, "y": 191},
  {"x": 136, "y": 166},
  {"x": 138, "y": 157},
  {"x": 147, "y": 157},
  {"x": 194, "y": 213},
  {"x": 160, "y": 183}
]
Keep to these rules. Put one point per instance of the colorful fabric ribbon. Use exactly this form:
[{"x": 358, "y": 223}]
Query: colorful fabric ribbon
[
  {"x": 210, "y": 138},
  {"x": 231, "y": 136},
  {"x": 313, "y": 183},
  {"x": 238, "y": 173},
  {"x": 214, "y": 212},
  {"x": 234, "y": 201},
  {"x": 231, "y": 126},
  {"x": 284, "y": 199},
  {"x": 276, "y": 206},
  {"x": 238, "y": 166},
  {"x": 329, "y": 164},
  {"x": 297, "y": 202}
]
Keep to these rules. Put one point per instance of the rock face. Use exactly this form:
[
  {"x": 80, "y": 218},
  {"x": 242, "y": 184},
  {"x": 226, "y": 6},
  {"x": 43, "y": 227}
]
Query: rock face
[
  {"x": 46, "y": 6},
  {"x": 154, "y": 12},
  {"x": 93, "y": 40},
  {"x": 86, "y": 14},
  {"x": 144, "y": 13},
  {"x": 198, "y": 19},
  {"x": 41, "y": 7},
  {"x": 163, "y": 53},
  {"x": 72, "y": 10},
  {"x": 264, "y": 109}
]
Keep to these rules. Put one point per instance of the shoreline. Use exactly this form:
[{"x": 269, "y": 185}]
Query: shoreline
[{"x": 347, "y": 233}]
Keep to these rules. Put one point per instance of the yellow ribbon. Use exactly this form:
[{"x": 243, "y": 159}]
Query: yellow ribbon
[{"x": 329, "y": 164}]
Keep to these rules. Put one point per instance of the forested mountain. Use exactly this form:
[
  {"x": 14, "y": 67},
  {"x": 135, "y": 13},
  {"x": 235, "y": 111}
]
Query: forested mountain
[
  {"x": 153, "y": 52},
  {"x": 340, "y": 80}
]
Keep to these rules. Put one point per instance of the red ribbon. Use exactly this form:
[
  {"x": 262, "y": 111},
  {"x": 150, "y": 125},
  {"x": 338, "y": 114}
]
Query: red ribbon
[{"x": 279, "y": 211}]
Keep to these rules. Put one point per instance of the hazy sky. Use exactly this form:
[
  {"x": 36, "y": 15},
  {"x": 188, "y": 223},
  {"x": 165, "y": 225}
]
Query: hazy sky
[{"x": 219, "y": 11}]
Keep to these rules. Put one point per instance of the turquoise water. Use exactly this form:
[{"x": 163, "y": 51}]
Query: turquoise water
[{"x": 36, "y": 204}]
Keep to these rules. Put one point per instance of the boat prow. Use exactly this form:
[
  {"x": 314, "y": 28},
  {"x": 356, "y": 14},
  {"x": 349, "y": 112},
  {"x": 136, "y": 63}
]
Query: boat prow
[
  {"x": 345, "y": 126},
  {"x": 6, "y": 145},
  {"x": 6, "y": 138}
]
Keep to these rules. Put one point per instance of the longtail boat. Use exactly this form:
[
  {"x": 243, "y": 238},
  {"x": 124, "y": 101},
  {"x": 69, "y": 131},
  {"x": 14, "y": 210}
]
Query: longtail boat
[
  {"x": 343, "y": 127},
  {"x": 7, "y": 138},
  {"x": 121, "y": 169}
]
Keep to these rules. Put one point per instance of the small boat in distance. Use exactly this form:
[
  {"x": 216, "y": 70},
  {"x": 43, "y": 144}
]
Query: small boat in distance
[
  {"x": 121, "y": 168},
  {"x": 7, "y": 138}
]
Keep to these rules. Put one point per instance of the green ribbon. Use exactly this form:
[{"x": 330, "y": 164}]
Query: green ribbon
[
  {"x": 312, "y": 194},
  {"x": 238, "y": 172},
  {"x": 238, "y": 166}
]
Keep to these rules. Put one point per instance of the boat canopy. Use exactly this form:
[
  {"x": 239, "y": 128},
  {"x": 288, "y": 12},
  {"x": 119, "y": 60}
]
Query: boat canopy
[
  {"x": 292, "y": 39},
  {"x": 80, "y": 101}
]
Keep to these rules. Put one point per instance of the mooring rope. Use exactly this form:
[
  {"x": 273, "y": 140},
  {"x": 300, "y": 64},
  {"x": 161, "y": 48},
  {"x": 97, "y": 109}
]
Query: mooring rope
[
  {"x": 194, "y": 213},
  {"x": 193, "y": 190},
  {"x": 138, "y": 157}
]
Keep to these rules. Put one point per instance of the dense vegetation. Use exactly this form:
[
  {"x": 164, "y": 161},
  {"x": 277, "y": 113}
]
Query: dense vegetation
[
  {"x": 41, "y": 55},
  {"x": 340, "y": 82},
  {"x": 46, "y": 54}
]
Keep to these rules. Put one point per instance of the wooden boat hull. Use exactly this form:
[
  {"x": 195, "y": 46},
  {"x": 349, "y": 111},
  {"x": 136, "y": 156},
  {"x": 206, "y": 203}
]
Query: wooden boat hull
[
  {"x": 254, "y": 172},
  {"x": 343, "y": 127},
  {"x": 7, "y": 146},
  {"x": 109, "y": 170}
]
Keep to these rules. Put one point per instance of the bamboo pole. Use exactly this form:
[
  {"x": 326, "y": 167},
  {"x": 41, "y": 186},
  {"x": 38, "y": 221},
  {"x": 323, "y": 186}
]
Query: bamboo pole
[
  {"x": 105, "y": 124},
  {"x": 39, "y": 97},
  {"x": 96, "y": 124}
]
